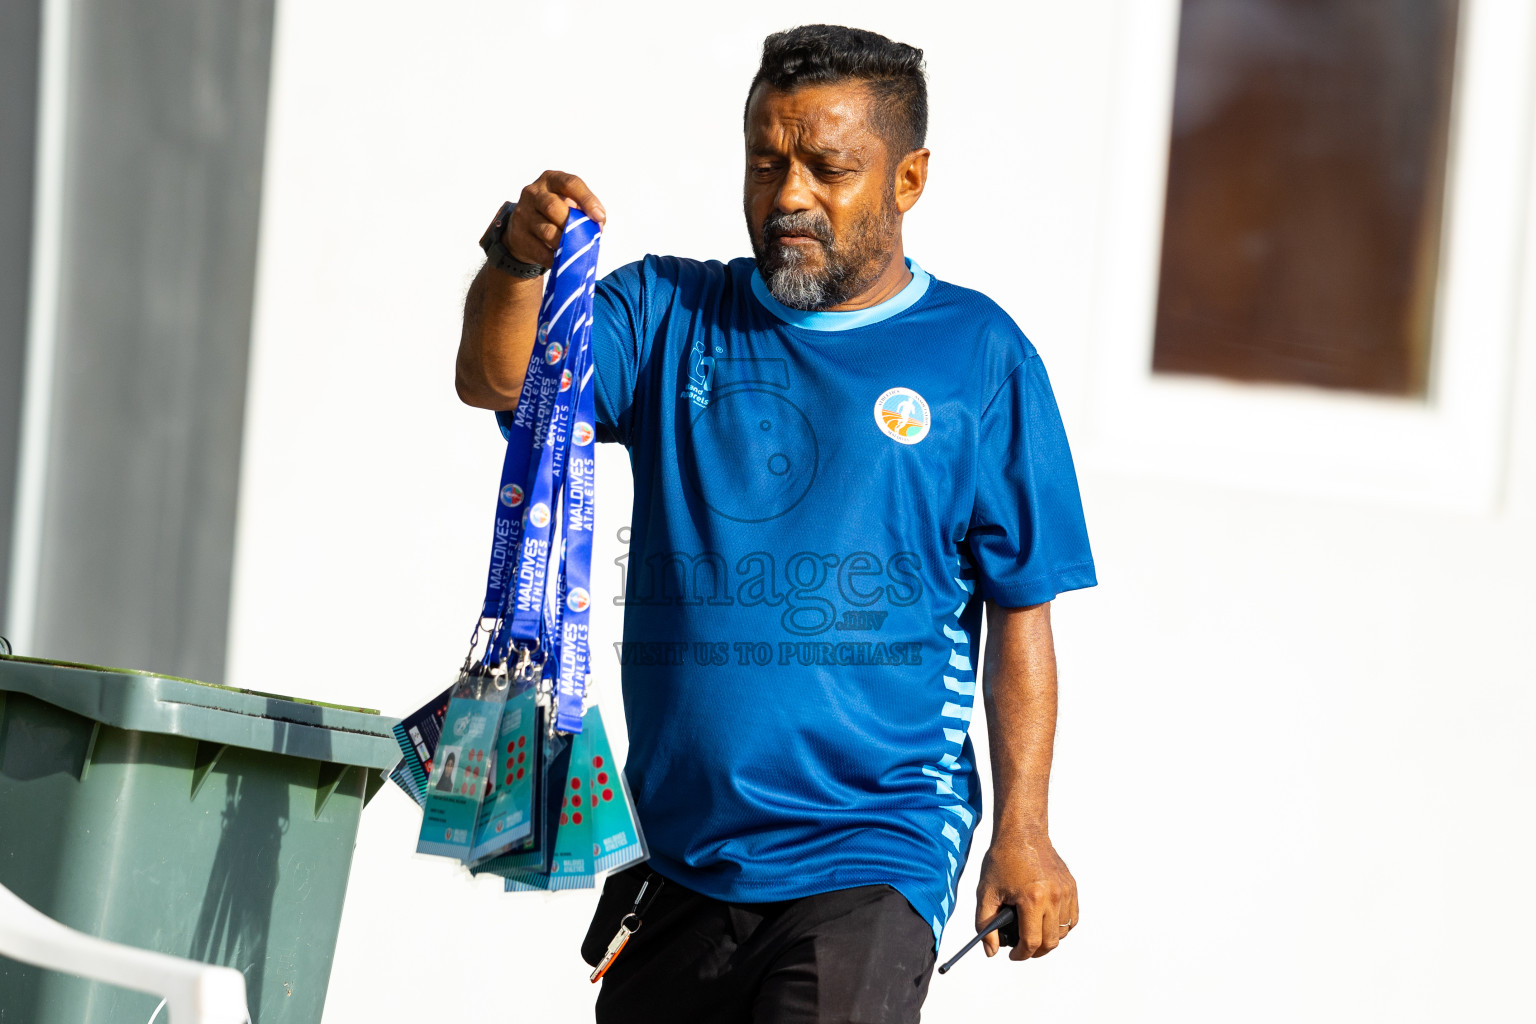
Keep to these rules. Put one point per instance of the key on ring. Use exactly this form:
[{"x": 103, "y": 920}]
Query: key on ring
[
  {"x": 616, "y": 946},
  {"x": 626, "y": 929}
]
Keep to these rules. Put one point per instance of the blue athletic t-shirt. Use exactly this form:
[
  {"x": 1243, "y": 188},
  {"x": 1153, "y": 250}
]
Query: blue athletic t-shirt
[{"x": 822, "y": 502}]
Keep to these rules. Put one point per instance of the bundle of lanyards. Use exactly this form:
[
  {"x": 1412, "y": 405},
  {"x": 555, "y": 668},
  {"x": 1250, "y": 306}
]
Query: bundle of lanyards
[{"x": 511, "y": 764}]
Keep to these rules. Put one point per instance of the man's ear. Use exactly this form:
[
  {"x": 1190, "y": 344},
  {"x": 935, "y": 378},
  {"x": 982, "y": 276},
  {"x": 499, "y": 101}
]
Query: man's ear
[{"x": 911, "y": 177}]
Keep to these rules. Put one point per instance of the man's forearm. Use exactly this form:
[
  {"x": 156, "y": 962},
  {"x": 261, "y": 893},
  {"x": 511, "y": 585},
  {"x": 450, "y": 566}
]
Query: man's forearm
[
  {"x": 1019, "y": 690},
  {"x": 501, "y": 320},
  {"x": 501, "y": 312},
  {"x": 1022, "y": 868}
]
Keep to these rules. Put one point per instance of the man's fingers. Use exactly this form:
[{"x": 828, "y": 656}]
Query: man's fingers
[
  {"x": 533, "y": 233},
  {"x": 550, "y": 208},
  {"x": 572, "y": 187},
  {"x": 1052, "y": 918},
  {"x": 1031, "y": 930},
  {"x": 1037, "y": 921},
  {"x": 987, "y": 906}
]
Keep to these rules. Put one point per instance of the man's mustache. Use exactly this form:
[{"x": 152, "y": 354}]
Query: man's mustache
[{"x": 802, "y": 222}]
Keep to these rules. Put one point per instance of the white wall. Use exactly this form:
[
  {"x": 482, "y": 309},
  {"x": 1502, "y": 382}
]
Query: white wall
[{"x": 1290, "y": 773}]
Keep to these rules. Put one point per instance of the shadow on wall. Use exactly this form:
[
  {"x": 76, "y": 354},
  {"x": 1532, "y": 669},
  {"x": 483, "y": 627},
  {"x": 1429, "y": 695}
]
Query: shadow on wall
[{"x": 236, "y": 915}]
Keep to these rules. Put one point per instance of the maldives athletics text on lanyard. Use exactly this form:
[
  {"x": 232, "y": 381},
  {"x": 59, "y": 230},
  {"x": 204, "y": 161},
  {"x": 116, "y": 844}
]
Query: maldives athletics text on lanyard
[
  {"x": 541, "y": 555},
  {"x": 536, "y": 608}
]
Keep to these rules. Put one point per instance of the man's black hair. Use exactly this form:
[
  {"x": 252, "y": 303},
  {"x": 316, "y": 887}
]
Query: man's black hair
[{"x": 893, "y": 72}]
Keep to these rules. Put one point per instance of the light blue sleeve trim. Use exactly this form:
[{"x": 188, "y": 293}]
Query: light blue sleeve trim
[{"x": 820, "y": 321}]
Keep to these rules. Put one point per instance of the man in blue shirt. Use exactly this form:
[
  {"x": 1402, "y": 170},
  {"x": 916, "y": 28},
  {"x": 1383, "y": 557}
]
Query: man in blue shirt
[{"x": 839, "y": 462}]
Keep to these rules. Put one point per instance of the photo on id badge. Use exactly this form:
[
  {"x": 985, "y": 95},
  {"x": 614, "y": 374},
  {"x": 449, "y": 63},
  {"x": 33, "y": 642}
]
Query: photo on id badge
[{"x": 447, "y": 764}]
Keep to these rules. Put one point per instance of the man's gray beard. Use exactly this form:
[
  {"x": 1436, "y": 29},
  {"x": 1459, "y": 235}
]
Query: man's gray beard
[
  {"x": 848, "y": 269},
  {"x": 800, "y": 287}
]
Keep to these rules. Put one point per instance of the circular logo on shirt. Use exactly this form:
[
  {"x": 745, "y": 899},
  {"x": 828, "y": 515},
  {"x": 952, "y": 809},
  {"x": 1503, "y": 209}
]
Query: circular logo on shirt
[
  {"x": 539, "y": 515},
  {"x": 581, "y": 433},
  {"x": 543, "y": 332},
  {"x": 578, "y": 600},
  {"x": 511, "y": 495},
  {"x": 902, "y": 415},
  {"x": 554, "y": 353},
  {"x": 751, "y": 454},
  {"x": 565, "y": 380}
]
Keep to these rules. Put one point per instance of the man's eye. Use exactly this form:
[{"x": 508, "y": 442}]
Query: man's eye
[{"x": 831, "y": 173}]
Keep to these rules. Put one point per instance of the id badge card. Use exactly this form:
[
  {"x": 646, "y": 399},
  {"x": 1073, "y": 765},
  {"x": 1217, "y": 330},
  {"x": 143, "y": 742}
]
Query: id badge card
[
  {"x": 537, "y": 854},
  {"x": 570, "y": 862},
  {"x": 506, "y": 816},
  {"x": 458, "y": 781},
  {"x": 417, "y": 735},
  {"x": 616, "y": 839},
  {"x": 571, "y": 865}
]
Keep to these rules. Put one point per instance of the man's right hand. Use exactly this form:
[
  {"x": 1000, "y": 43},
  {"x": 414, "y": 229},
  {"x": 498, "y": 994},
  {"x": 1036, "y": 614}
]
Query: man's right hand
[
  {"x": 533, "y": 233},
  {"x": 501, "y": 312}
]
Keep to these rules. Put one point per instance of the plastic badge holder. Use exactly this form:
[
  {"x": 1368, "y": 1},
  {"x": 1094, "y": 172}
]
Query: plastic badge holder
[
  {"x": 506, "y": 816},
  {"x": 418, "y": 735},
  {"x": 458, "y": 781},
  {"x": 570, "y": 866},
  {"x": 537, "y": 855},
  {"x": 617, "y": 841},
  {"x": 598, "y": 828}
]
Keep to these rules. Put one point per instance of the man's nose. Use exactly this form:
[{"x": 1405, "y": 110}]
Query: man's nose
[{"x": 794, "y": 192}]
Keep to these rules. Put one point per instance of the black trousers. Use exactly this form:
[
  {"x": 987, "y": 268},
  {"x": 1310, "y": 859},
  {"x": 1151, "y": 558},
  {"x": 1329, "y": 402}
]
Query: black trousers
[{"x": 854, "y": 955}]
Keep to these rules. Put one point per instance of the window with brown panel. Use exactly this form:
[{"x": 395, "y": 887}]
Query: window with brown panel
[{"x": 1306, "y": 179}]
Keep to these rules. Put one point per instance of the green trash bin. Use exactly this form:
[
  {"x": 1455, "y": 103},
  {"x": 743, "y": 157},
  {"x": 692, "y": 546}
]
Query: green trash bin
[{"x": 203, "y": 821}]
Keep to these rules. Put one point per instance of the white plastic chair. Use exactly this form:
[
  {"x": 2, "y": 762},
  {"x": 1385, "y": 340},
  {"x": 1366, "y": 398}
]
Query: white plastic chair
[{"x": 194, "y": 993}]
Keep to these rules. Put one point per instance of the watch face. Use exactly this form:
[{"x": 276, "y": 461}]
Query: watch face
[{"x": 498, "y": 225}]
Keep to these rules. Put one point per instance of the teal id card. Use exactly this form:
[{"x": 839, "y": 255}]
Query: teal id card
[
  {"x": 506, "y": 815},
  {"x": 534, "y": 856},
  {"x": 616, "y": 838},
  {"x": 570, "y": 864},
  {"x": 460, "y": 764},
  {"x": 597, "y": 829}
]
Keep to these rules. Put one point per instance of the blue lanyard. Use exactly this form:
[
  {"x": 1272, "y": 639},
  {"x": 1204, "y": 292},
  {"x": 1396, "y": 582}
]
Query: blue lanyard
[
  {"x": 577, "y": 505},
  {"x": 536, "y": 589}
]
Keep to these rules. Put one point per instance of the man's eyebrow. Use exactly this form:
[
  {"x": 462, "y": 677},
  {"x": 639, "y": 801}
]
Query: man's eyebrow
[
  {"x": 821, "y": 152},
  {"x": 829, "y": 152}
]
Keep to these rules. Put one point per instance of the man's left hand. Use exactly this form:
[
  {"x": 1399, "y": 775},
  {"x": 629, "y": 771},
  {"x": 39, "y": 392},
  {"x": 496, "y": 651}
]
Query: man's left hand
[{"x": 1025, "y": 872}]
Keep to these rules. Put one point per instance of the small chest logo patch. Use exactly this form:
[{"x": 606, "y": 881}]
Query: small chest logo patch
[{"x": 902, "y": 415}]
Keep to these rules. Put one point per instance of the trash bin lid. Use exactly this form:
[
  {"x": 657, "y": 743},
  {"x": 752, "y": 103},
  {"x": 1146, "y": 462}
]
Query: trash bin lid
[{"x": 145, "y": 702}]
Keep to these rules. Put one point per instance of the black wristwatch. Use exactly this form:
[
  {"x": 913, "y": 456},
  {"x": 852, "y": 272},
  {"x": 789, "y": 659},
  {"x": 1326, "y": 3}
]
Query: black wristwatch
[{"x": 496, "y": 252}]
